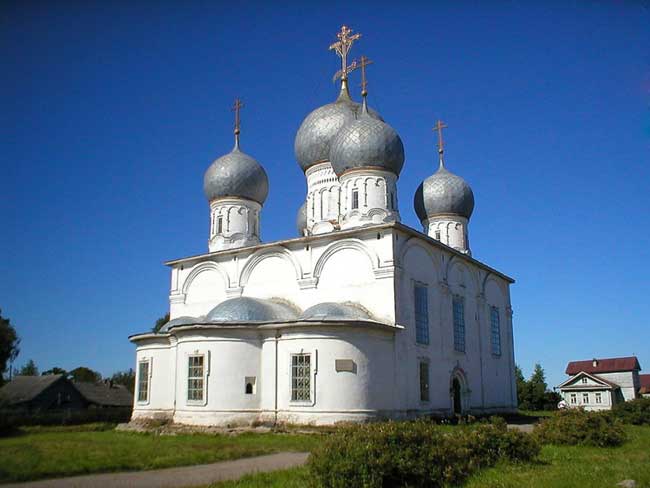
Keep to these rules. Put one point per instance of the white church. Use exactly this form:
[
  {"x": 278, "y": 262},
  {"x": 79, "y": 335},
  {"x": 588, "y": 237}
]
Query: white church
[{"x": 359, "y": 318}]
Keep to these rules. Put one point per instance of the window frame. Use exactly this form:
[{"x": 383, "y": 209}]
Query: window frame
[
  {"x": 422, "y": 332},
  {"x": 204, "y": 377},
  {"x": 585, "y": 395},
  {"x": 460, "y": 327},
  {"x": 573, "y": 398},
  {"x": 495, "y": 333},
  {"x": 148, "y": 361},
  {"x": 583, "y": 380},
  {"x": 598, "y": 398},
  {"x": 311, "y": 400},
  {"x": 425, "y": 387},
  {"x": 219, "y": 224},
  {"x": 354, "y": 197}
]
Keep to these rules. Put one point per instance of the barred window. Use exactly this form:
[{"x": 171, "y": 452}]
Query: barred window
[
  {"x": 195, "y": 378},
  {"x": 459, "y": 323},
  {"x": 424, "y": 381},
  {"x": 355, "y": 198},
  {"x": 421, "y": 314},
  {"x": 300, "y": 377},
  {"x": 143, "y": 381},
  {"x": 495, "y": 326}
]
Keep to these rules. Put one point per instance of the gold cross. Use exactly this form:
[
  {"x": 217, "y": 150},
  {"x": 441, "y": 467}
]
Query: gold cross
[
  {"x": 236, "y": 108},
  {"x": 364, "y": 83},
  {"x": 342, "y": 47},
  {"x": 438, "y": 127}
]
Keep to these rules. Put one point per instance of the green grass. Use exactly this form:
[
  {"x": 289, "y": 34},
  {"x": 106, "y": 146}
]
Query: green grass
[
  {"x": 558, "y": 467},
  {"x": 48, "y": 452}
]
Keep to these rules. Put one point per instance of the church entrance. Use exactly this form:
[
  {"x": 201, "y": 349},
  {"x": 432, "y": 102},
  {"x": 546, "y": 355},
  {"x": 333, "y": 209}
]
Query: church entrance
[{"x": 456, "y": 397}]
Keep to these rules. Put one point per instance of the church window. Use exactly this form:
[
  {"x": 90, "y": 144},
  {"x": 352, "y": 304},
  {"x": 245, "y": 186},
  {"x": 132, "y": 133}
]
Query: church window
[
  {"x": 301, "y": 377},
  {"x": 143, "y": 381},
  {"x": 392, "y": 201},
  {"x": 195, "y": 378},
  {"x": 250, "y": 385},
  {"x": 355, "y": 199},
  {"x": 437, "y": 234},
  {"x": 219, "y": 224},
  {"x": 458, "y": 306},
  {"x": 585, "y": 398},
  {"x": 599, "y": 397},
  {"x": 574, "y": 398},
  {"x": 495, "y": 328},
  {"x": 421, "y": 314},
  {"x": 424, "y": 381}
]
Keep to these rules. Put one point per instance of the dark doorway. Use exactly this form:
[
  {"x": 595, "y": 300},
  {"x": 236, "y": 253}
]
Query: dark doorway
[{"x": 458, "y": 407}]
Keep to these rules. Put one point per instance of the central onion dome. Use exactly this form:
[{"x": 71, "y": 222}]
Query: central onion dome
[
  {"x": 443, "y": 193},
  {"x": 367, "y": 143},
  {"x": 236, "y": 175},
  {"x": 314, "y": 137}
]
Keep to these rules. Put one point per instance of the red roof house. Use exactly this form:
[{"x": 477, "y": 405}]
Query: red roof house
[{"x": 609, "y": 365}]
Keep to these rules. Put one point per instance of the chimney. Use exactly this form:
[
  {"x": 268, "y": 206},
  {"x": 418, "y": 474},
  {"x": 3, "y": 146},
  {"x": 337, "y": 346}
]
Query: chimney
[{"x": 595, "y": 362}]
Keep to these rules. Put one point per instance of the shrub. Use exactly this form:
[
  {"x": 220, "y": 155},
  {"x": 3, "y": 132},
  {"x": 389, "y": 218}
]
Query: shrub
[
  {"x": 635, "y": 412},
  {"x": 414, "y": 454},
  {"x": 578, "y": 427}
]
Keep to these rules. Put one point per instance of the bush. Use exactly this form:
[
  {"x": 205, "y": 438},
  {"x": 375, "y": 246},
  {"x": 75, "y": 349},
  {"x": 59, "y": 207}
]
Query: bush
[
  {"x": 10, "y": 420},
  {"x": 578, "y": 427},
  {"x": 414, "y": 454},
  {"x": 635, "y": 412}
]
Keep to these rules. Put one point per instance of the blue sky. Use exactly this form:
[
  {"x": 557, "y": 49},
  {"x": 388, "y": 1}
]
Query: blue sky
[{"x": 112, "y": 111}]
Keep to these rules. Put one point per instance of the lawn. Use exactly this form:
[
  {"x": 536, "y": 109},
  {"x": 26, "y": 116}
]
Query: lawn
[
  {"x": 47, "y": 452},
  {"x": 558, "y": 467}
]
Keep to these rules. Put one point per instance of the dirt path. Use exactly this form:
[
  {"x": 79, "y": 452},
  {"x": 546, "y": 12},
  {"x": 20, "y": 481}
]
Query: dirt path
[{"x": 175, "y": 477}]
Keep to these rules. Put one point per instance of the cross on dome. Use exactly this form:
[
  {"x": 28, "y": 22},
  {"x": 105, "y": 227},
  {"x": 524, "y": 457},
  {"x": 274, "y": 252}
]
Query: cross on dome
[
  {"x": 342, "y": 48},
  {"x": 438, "y": 128},
  {"x": 237, "y": 106}
]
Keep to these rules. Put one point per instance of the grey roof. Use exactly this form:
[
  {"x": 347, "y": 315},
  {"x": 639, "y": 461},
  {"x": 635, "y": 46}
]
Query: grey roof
[
  {"x": 104, "y": 394},
  {"x": 301, "y": 219},
  {"x": 336, "y": 311},
  {"x": 25, "y": 388},
  {"x": 443, "y": 193},
  {"x": 314, "y": 137},
  {"x": 236, "y": 175},
  {"x": 185, "y": 320},
  {"x": 367, "y": 142},
  {"x": 248, "y": 309}
]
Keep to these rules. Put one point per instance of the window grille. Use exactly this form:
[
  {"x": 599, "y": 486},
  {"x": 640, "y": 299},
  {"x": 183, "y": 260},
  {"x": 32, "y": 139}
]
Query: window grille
[
  {"x": 355, "y": 199},
  {"x": 219, "y": 225},
  {"x": 421, "y": 314},
  {"x": 195, "y": 378},
  {"x": 495, "y": 326},
  {"x": 301, "y": 377},
  {"x": 459, "y": 323},
  {"x": 424, "y": 381},
  {"x": 143, "y": 381}
]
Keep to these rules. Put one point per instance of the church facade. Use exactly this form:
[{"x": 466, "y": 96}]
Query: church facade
[{"x": 358, "y": 318}]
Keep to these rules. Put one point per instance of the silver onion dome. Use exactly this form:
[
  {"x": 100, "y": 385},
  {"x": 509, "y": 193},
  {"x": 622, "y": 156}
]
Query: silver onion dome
[
  {"x": 336, "y": 311},
  {"x": 301, "y": 219},
  {"x": 367, "y": 142},
  {"x": 236, "y": 175},
  {"x": 248, "y": 309},
  {"x": 314, "y": 137},
  {"x": 443, "y": 193}
]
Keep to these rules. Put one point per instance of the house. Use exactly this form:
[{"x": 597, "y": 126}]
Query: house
[
  {"x": 56, "y": 392},
  {"x": 599, "y": 384},
  {"x": 644, "y": 385},
  {"x": 359, "y": 317}
]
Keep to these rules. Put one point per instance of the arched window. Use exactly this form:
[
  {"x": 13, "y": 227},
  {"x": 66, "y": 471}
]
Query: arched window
[{"x": 249, "y": 388}]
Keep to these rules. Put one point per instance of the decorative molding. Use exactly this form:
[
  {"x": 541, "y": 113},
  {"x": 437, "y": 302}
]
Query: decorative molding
[
  {"x": 307, "y": 283},
  {"x": 200, "y": 268},
  {"x": 336, "y": 246},
  {"x": 234, "y": 292},
  {"x": 262, "y": 254},
  {"x": 384, "y": 272}
]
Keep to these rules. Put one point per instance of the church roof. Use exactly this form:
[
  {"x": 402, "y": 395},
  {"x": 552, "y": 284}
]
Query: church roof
[{"x": 608, "y": 365}]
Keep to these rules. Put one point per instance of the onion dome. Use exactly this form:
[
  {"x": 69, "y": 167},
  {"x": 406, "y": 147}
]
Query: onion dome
[
  {"x": 336, "y": 311},
  {"x": 367, "y": 143},
  {"x": 301, "y": 219},
  {"x": 443, "y": 193},
  {"x": 314, "y": 137},
  {"x": 248, "y": 309}
]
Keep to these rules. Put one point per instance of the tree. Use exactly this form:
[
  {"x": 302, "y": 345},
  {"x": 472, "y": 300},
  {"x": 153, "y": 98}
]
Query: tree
[
  {"x": 55, "y": 370},
  {"x": 85, "y": 375},
  {"x": 522, "y": 389},
  {"x": 29, "y": 369},
  {"x": 9, "y": 342},
  {"x": 160, "y": 322},
  {"x": 537, "y": 387},
  {"x": 125, "y": 378}
]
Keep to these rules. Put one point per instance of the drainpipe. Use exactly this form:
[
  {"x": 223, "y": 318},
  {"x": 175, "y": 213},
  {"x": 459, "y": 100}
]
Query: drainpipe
[{"x": 275, "y": 406}]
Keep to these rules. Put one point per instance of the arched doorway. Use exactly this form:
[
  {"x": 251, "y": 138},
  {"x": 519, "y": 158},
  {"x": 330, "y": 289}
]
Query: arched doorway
[{"x": 457, "y": 399}]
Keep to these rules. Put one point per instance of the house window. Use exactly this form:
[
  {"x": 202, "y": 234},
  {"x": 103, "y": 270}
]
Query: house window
[
  {"x": 437, "y": 234},
  {"x": 599, "y": 397},
  {"x": 195, "y": 378},
  {"x": 459, "y": 323},
  {"x": 421, "y": 314},
  {"x": 355, "y": 199},
  {"x": 424, "y": 381},
  {"x": 495, "y": 327},
  {"x": 301, "y": 377},
  {"x": 584, "y": 381},
  {"x": 143, "y": 381},
  {"x": 219, "y": 225},
  {"x": 585, "y": 398},
  {"x": 574, "y": 398}
]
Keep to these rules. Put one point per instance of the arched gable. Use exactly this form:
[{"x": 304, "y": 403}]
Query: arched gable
[
  {"x": 337, "y": 246},
  {"x": 273, "y": 252},
  {"x": 414, "y": 244},
  {"x": 208, "y": 266}
]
